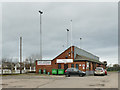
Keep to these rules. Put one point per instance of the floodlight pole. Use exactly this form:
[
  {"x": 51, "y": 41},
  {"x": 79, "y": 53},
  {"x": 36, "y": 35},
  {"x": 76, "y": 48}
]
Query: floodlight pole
[
  {"x": 80, "y": 41},
  {"x": 40, "y": 34},
  {"x": 67, "y": 37},
  {"x": 20, "y": 55},
  {"x": 71, "y": 39}
]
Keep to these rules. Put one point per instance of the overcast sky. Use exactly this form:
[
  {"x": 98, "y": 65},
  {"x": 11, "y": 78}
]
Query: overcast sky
[{"x": 96, "y": 23}]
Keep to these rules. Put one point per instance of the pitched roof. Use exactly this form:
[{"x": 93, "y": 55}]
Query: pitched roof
[
  {"x": 81, "y": 52},
  {"x": 83, "y": 58}
]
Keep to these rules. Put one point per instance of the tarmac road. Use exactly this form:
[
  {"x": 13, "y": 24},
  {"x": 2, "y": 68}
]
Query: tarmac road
[{"x": 41, "y": 81}]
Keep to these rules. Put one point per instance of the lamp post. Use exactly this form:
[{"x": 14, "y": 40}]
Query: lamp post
[
  {"x": 20, "y": 55},
  {"x": 80, "y": 41},
  {"x": 67, "y": 37},
  {"x": 40, "y": 34},
  {"x": 71, "y": 40}
]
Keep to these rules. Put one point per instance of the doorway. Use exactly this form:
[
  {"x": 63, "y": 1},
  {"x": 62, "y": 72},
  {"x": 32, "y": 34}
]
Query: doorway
[
  {"x": 65, "y": 66},
  {"x": 77, "y": 66}
]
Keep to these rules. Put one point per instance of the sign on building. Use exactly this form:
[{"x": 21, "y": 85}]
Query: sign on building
[
  {"x": 83, "y": 65},
  {"x": 43, "y": 62},
  {"x": 64, "y": 60},
  {"x": 87, "y": 64}
]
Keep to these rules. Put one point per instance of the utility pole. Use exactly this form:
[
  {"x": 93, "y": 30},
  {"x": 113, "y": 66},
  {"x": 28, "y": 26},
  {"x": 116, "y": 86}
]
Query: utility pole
[
  {"x": 20, "y": 55},
  {"x": 40, "y": 34}
]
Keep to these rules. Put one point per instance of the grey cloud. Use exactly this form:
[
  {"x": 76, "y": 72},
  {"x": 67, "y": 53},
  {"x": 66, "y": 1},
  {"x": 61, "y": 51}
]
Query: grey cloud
[{"x": 96, "y": 23}]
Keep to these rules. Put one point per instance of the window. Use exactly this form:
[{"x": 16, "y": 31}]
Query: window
[
  {"x": 90, "y": 66},
  {"x": 72, "y": 65},
  {"x": 77, "y": 66},
  {"x": 66, "y": 57},
  {"x": 59, "y": 66}
]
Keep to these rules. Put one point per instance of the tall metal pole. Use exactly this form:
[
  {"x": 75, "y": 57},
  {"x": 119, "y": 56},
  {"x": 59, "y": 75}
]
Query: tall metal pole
[
  {"x": 11, "y": 66},
  {"x": 71, "y": 39},
  {"x": 40, "y": 34},
  {"x": 20, "y": 55},
  {"x": 67, "y": 36},
  {"x": 2, "y": 68},
  {"x": 80, "y": 42}
]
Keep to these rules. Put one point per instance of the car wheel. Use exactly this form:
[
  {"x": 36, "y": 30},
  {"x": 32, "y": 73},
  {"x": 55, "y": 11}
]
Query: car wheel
[
  {"x": 68, "y": 75},
  {"x": 94, "y": 74},
  {"x": 80, "y": 75}
]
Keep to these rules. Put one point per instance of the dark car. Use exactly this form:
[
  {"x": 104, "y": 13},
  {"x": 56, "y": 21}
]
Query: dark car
[{"x": 74, "y": 71}]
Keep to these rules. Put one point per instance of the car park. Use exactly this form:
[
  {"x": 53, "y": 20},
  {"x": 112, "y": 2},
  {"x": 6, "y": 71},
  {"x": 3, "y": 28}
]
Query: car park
[
  {"x": 99, "y": 71},
  {"x": 74, "y": 71}
]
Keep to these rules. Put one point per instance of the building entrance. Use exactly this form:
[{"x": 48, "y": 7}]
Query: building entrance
[{"x": 65, "y": 66}]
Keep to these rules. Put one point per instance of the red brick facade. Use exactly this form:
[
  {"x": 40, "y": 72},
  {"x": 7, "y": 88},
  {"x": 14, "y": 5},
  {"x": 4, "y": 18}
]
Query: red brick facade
[{"x": 82, "y": 65}]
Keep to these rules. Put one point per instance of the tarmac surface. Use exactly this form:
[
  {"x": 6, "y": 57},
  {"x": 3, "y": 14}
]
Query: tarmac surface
[{"x": 59, "y": 81}]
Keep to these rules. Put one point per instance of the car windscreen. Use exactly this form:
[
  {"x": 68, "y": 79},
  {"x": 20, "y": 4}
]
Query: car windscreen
[
  {"x": 69, "y": 69},
  {"x": 98, "y": 68},
  {"x": 76, "y": 69}
]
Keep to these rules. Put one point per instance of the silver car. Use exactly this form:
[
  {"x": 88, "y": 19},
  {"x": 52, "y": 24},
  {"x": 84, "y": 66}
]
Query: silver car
[{"x": 99, "y": 71}]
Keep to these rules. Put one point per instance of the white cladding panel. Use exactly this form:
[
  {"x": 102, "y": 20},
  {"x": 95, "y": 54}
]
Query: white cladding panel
[
  {"x": 64, "y": 60},
  {"x": 84, "y": 53},
  {"x": 43, "y": 62}
]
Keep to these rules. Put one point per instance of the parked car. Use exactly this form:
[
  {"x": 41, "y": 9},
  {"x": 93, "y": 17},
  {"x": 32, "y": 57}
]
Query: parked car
[
  {"x": 74, "y": 71},
  {"x": 105, "y": 71},
  {"x": 99, "y": 71}
]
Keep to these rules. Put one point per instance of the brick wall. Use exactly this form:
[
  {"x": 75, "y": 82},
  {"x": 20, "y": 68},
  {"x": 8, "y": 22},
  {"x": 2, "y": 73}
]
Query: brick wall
[
  {"x": 54, "y": 65},
  {"x": 63, "y": 55},
  {"x": 47, "y": 67}
]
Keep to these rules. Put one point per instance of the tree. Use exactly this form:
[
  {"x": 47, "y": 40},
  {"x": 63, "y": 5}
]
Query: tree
[
  {"x": 116, "y": 65},
  {"x": 105, "y": 63}
]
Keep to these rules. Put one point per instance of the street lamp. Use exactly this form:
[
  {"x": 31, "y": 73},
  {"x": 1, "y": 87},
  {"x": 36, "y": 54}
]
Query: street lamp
[
  {"x": 67, "y": 37},
  {"x": 40, "y": 34},
  {"x": 80, "y": 40},
  {"x": 71, "y": 40},
  {"x": 20, "y": 55}
]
